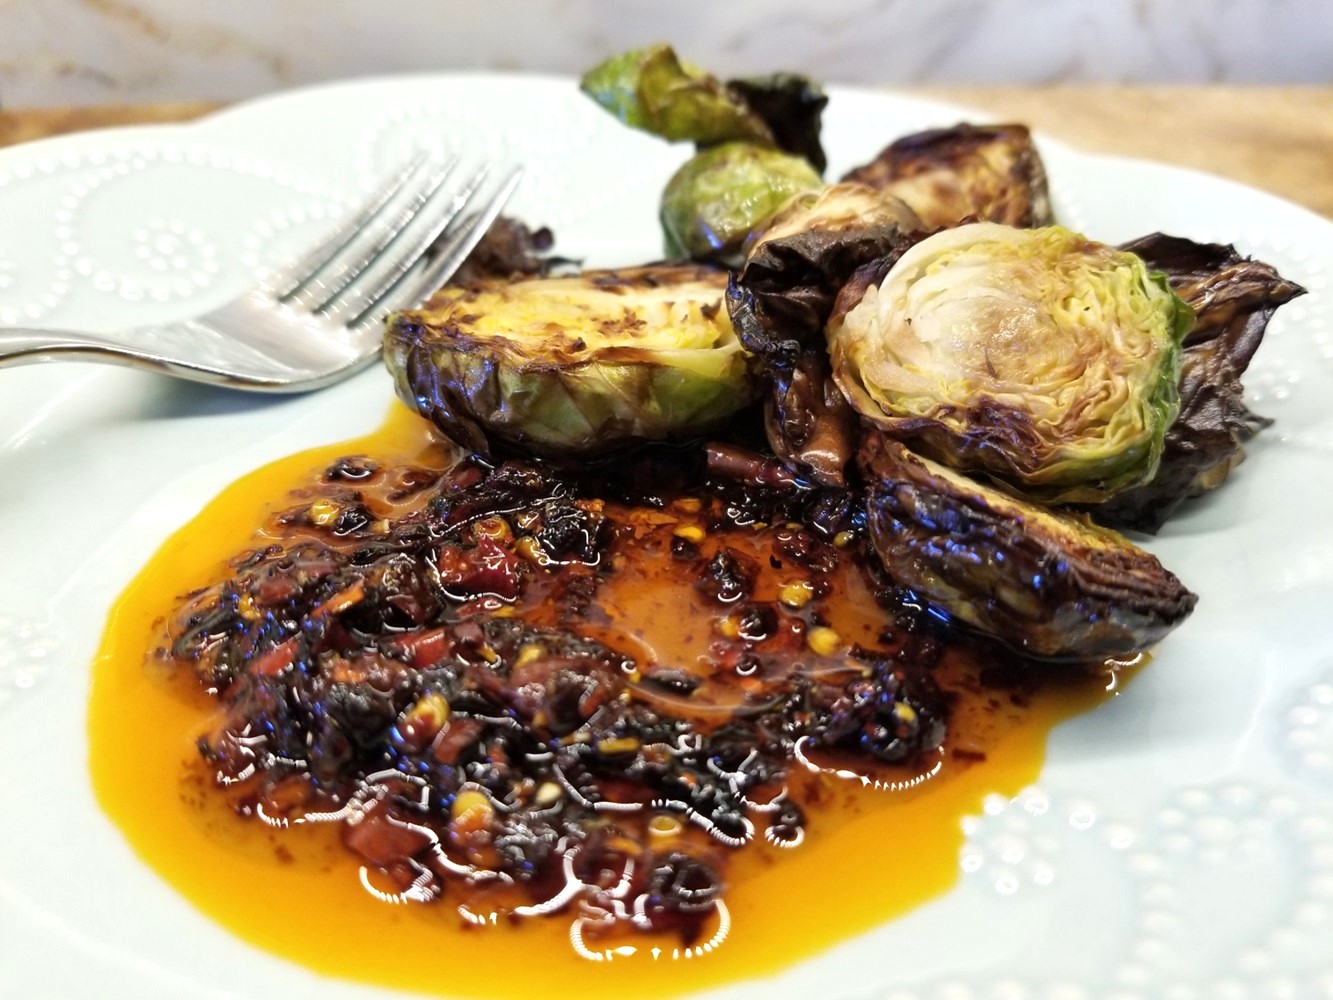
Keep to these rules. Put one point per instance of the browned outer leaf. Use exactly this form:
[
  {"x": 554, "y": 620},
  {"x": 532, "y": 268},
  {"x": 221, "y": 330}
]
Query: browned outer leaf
[
  {"x": 780, "y": 302},
  {"x": 1233, "y": 298},
  {"x": 792, "y": 107},
  {"x": 1051, "y": 585},
  {"x": 967, "y": 173},
  {"x": 508, "y": 249}
]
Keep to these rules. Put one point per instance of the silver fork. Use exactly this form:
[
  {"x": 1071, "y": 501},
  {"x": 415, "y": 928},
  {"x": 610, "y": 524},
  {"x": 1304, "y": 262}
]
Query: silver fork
[{"x": 320, "y": 318}]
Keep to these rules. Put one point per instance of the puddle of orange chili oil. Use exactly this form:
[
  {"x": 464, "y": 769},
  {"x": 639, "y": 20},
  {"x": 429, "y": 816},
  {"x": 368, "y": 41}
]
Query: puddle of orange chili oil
[{"x": 868, "y": 856}]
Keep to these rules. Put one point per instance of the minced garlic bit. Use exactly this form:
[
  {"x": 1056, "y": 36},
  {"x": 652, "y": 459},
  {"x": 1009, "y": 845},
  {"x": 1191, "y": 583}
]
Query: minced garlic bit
[
  {"x": 823, "y": 640},
  {"x": 529, "y": 653},
  {"x": 690, "y": 532},
  {"x": 664, "y": 826},
  {"x": 618, "y": 744},
  {"x": 323, "y": 513},
  {"x": 492, "y": 527},
  {"x": 796, "y": 593},
  {"x": 531, "y": 550},
  {"x": 247, "y": 608},
  {"x": 730, "y": 626},
  {"x": 471, "y": 805},
  {"x": 548, "y": 793},
  {"x": 433, "y": 706}
]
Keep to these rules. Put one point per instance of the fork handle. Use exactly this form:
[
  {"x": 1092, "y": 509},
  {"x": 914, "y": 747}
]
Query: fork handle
[{"x": 30, "y": 346}]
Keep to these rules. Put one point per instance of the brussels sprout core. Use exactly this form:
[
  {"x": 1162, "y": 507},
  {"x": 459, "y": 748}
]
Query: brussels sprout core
[{"x": 1044, "y": 358}]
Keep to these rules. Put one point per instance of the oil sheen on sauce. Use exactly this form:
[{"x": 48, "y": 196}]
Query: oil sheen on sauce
[{"x": 870, "y": 854}]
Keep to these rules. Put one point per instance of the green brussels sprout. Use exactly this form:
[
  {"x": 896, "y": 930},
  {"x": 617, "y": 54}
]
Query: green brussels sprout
[
  {"x": 1049, "y": 584},
  {"x": 652, "y": 90},
  {"x": 723, "y": 194},
  {"x": 572, "y": 365},
  {"x": 1037, "y": 356}
]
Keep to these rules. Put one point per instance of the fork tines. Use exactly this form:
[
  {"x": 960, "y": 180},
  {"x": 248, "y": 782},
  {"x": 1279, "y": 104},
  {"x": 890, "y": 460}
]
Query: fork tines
[{"x": 399, "y": 246}]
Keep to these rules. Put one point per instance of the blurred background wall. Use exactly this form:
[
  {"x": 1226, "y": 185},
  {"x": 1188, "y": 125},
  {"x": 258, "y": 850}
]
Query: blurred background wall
[{"x": 98, "y": 51}]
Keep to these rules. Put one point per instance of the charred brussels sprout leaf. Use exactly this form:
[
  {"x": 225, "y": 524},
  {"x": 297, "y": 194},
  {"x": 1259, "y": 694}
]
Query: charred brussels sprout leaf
[
  {"x": 1233, "y": 298},
  {"x": 652, "y": 90},
  {"x": 793, "y": 108},
  {"x": 781, "y": 300},
  {"x": 1051, "y": 585},
  {"x": 829, "y": 222},
  {"x": 723, "y": 194},
  {"x": 1037, "y": 356},
  {"x": 575, "y": 365},
  {"x": 509, "y": 249},
  {"x": 981, "y": 173}
]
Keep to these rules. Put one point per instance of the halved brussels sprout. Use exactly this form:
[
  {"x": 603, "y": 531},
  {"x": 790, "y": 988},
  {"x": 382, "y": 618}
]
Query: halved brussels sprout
[
  {"x": 1038, "y": 356},
  {"x": 651, "y": 89},
  {"x": 1051, "y": 585},
  {"x": 1234, "y": 297},
  {"x": 843, "y": 211},
  {"x": 572, "y": 365},
  {"x": 723, "y": 194},
  {"x": 968, "y": 173}
]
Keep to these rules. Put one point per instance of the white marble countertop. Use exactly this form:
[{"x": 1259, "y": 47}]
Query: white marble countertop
[{"x": 55, "y": 52}]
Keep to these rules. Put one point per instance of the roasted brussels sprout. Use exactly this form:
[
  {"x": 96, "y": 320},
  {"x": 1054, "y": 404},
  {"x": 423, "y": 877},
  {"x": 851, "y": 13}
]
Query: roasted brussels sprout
[
  {"x": 1051, "y": 585},
  {"x": 652, "y": 90},
  {"x": 1233, "y": 298},
  {"x": 758, "y": 143},
  {"x": 968, "y": 173},
  {"x": 723, "y": 194},
  {"x": 839, "y": 212},
  {"x": 572, "y": 365},
  {"x": 781, "y": 300},
  {"x": 1037, "y": 356}
]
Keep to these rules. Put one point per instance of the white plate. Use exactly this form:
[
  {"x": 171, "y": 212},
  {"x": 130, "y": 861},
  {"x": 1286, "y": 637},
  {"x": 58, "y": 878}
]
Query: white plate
[{"x": 1180, "y": 843}]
